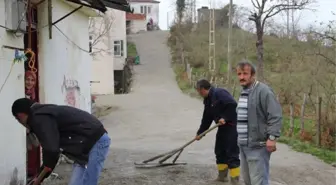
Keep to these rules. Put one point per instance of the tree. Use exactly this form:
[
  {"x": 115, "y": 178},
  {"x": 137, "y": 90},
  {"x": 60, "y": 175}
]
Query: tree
[
  {"x": 180, "y": 8},
  {"x": 261, "y": 14},
  {"x": 99, "y": 31}
]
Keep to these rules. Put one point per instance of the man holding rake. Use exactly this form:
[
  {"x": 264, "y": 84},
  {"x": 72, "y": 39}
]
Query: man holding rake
[{"x": 220, "y": 106}]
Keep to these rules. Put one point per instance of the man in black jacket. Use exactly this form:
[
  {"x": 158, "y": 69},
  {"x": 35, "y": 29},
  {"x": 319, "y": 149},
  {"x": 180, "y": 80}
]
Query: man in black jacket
[
  {"x": 220, "y": 106},
  {"x": 67, "y": 130}
]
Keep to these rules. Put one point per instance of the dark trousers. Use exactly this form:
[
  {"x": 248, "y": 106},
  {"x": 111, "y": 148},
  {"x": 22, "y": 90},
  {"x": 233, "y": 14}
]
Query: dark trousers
[{"x": 226, "y": 148}]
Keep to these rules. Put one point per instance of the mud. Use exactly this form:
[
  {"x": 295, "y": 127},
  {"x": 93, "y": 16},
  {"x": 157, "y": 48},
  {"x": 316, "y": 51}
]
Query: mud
[{"x": 156, "y": 117}]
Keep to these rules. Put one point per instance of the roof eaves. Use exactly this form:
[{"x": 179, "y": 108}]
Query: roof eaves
[{"x": 122, "y": 5}]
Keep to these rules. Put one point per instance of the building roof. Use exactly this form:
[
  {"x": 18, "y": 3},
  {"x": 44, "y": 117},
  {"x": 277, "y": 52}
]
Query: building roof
[
  {"x": 135, "y": 16},
  {"x": 143, "y": 1},
  {"x": 102, "y": 5}
]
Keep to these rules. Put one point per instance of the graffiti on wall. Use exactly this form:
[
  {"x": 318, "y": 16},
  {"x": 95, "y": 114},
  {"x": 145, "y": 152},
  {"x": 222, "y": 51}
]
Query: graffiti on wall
[{"x": 71, "y": 89}]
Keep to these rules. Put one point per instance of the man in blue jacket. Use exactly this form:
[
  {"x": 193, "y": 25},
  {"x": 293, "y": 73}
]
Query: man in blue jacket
[{"x": 220, "y": 106}]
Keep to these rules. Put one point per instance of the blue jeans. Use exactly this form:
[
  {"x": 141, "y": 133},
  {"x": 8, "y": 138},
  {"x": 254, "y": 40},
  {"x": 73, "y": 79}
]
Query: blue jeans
[
  {"x": 255, "y": 165},
  {"x": 89, "y": 175}
]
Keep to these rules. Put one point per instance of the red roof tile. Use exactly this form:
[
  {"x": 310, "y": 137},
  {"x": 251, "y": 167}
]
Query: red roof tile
[{"x": 135, "y": 16}]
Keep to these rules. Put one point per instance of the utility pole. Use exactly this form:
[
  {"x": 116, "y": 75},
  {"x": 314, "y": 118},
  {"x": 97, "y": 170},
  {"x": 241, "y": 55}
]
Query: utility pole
[
  {"x": 212, "y": 54},
  {"x": 288, "y": 27},
  {"x": 168, "y": 20},
  {"x": 195, "y": 11},
  {"x": 229, "y": 58}
]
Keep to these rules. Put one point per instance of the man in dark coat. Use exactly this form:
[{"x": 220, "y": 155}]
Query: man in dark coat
[
  {"x": 220, "y": 106},
  {"x": 63, "y": 129}
]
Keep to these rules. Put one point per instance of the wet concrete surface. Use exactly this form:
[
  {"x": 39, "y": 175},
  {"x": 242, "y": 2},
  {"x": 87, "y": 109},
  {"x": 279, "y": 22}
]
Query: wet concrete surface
[{"x": 157, "y": 117}]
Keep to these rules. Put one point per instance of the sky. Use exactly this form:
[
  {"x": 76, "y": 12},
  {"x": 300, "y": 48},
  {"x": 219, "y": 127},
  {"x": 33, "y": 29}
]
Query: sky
[{"x": 323, "y": 11}]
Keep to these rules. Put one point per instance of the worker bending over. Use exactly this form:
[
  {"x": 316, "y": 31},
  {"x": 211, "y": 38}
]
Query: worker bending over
[
  {"x": 63, "y": 129},
  {"x": 220, "y": 106}
]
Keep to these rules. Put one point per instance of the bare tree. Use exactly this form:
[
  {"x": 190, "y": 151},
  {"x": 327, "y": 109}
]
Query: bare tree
[
  {"x": 99, "y": 31},
  {"x": 262, "y": 13}
]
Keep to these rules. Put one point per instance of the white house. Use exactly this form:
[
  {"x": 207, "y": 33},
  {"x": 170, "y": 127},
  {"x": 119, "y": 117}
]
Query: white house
[
  {"x": 57, "y": 70},
  {"x": 150, "y": 8},
  {"x": 103, "y": 56},
  {"x": 109, "y": 52},
  {"x": 118, "y": 36},
  {"x": 135, "y": 23}
]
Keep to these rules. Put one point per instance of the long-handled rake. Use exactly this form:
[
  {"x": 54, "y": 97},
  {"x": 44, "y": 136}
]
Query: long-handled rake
[{"x": 165, "y": 156}]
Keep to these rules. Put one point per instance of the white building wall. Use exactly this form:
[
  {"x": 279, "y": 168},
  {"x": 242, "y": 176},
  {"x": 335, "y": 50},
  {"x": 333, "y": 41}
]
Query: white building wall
[
  {"x": 65, "y": 62},
  {"x": 102, "y": 65},
  {"x": 12, "y": 134},
  {"x": 154, "y": 12},
  {"x": 118, "y": 32},
  {"x": 138, "y": 25}
]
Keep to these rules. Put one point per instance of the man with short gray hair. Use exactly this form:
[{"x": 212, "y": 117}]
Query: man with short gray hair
[{"x": 258, "y": 124}]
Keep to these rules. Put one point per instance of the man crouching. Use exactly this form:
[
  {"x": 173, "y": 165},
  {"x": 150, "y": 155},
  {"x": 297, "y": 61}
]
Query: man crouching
[{"x": 63, "y": 129}]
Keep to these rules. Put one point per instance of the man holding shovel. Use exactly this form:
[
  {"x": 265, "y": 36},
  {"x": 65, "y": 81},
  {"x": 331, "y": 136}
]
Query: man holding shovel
[
  {"x": 74, "y": 132},
  {"x": 220, "y": 106}
]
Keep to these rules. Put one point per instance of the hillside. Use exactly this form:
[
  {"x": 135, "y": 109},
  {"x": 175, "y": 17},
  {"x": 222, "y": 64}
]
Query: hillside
[{"x": 294, "y": 69}]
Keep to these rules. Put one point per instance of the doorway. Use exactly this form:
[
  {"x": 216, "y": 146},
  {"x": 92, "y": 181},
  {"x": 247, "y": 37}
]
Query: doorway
[{"x": 32, "y": 88}]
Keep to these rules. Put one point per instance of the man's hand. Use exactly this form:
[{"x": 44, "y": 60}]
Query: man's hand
[
  {"x": 271, "y": 145},
  {"x": 221, "y": 121},
  {"x": 198, "y": 137}
]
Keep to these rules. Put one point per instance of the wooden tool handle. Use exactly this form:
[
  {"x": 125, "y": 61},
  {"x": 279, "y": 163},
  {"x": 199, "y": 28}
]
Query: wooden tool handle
[
  {"x": 201, "y": 135},
  {"x": 182, "y": 147}
]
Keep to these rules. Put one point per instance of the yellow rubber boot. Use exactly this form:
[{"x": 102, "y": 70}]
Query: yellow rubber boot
[
  {"x": 234, "y": 175},
  {"x": 223, "y": 171}
]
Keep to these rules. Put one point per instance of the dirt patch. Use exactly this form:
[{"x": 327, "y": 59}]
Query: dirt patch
[{"x": 104, "y": 110}]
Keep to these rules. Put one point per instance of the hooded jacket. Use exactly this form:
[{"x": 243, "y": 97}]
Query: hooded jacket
[{"x": 64, "y": 129}]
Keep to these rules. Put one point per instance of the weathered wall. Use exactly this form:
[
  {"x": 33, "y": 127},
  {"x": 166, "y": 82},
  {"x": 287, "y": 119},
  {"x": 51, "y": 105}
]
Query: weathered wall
[
  {"x": 12, "y": 134},
  {"x": 138, "y": 25},
  {"x": 118, "y": 32},
  {"x": 65, "y": 62},
  {"x": 102, "y": 65},
  {"x": 154, "y": 12}
]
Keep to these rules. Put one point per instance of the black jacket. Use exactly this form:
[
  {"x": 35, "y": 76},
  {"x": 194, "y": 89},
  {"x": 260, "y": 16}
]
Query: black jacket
[
  {"x": 219, "y": 104},
  {"x": 64, "y": 129}
]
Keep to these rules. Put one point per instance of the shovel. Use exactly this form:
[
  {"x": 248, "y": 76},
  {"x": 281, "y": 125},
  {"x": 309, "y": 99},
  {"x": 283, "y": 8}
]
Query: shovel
[{"x": 165, "y": 156}]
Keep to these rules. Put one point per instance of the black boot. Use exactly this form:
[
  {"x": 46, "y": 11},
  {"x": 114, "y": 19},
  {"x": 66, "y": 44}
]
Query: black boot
[
  {"x": 223, "y": 176},
  {"x": 235, "y": 180}
]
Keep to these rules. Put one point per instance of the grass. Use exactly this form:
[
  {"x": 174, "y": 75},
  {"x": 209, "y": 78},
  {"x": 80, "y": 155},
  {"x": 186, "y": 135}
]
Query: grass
[
  {"x": 326, "y": 155},
  {"x": 131, "y": 49}
]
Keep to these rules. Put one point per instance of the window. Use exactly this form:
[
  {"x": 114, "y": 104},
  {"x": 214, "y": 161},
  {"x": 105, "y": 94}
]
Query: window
[
  {"x": 90, "y": 43},
  {"x": 142, "y": 9},
  {"x": 145, "y": 8},
  {"x": 149, "y": 9},
  {"x": 119, "y": 48}
]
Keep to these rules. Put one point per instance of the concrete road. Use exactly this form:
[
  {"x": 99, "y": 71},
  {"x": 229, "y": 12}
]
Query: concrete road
[{"x": 156, "y": 117}]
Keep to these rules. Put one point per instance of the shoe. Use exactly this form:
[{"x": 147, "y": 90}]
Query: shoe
[
  {"x": 223, "y": 176},
  {"x": 235, "y": 180}
]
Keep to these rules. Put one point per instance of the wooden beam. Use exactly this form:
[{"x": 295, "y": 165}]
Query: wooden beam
[{"x": 50, "y": 18}]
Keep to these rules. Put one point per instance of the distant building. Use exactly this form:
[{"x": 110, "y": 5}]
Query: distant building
[
  {"x": 135, "y": 23},
  {"x": 221, "y": 16},
  {"x": 149, "y": 8}
]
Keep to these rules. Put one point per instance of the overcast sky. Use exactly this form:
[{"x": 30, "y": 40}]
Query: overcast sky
[{"x": 323, "y": 11}]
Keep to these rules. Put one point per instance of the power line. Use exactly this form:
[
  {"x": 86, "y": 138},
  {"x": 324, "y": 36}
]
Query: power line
[{"x": 70, "y": 39}]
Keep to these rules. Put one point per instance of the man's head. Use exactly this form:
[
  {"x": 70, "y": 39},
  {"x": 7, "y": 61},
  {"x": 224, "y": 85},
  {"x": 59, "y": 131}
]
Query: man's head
[
  {"x": 21, "y": 110},
  {"x": 246, "y": 73},
  {"x": 203, "y": 87}
]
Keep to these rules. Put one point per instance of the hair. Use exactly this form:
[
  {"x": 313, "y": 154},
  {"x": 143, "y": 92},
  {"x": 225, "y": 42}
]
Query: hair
[
  {"x": 22, "y": 105},
  {"x": 242, "y": 64},
  {"x": 203, "y": 84}
]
